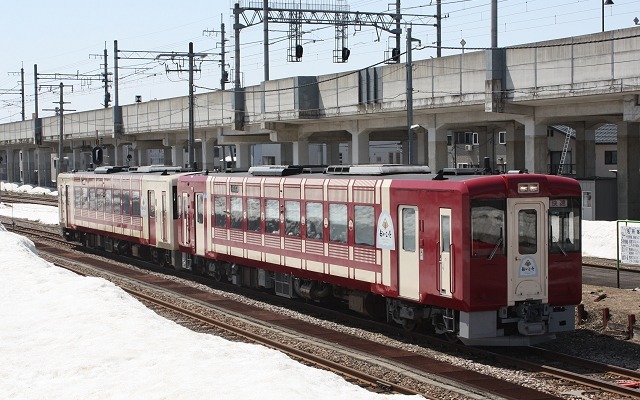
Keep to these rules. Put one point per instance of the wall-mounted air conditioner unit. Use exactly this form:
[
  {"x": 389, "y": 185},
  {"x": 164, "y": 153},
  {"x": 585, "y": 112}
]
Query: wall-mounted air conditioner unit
[{"x": 468, "y": 147}]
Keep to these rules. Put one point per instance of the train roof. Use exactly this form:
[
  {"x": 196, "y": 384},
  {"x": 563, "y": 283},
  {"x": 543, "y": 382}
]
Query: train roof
[{"x": 160, "y": 170}]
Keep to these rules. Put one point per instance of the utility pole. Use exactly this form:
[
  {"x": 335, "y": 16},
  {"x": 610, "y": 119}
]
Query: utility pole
[
  {"x": 439, "y": 28},
  {"x": 192, "y": 163},
  {"x": 409, "y": 68},
  {"x": 35, "y": 88},
  {"x": 265, "y": 39},
  {"x": 60, "y": 111},
  {"x": 224, "y": 75},
  {"x": 14, "y": 91}
]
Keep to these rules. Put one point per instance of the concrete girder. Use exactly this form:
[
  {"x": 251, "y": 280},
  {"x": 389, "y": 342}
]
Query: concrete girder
[{"x": 631, "y": 109}]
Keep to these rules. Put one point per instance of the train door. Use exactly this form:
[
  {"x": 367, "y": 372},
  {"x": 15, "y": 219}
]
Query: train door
[
  {"x": 527, "y": 241},
  {"x": 186, "y": 231},
  {"x": 445, "y": 250},
  {"x": 151, "y": 201},
  {"x": 66, "y": 216},
  {"x": 408, "y": 256},
  {"x": 199, "y": 218},
  {"x": 163, "y": 219}
]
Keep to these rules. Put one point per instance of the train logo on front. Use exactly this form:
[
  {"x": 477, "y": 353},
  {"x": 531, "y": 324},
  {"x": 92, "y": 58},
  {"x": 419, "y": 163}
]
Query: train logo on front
[
  {"x": 385, "y": 232},
  {"x": 528, "y": 267}
]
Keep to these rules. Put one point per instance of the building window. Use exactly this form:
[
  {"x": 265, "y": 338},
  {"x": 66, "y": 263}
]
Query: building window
[
  {"x": 449, "y": 140},
  {"x": 611, "y": 157},
  {"x": 475, "y": 138}
]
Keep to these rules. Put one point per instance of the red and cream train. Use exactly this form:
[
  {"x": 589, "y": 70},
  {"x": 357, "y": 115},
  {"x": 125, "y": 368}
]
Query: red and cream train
[{"x": 490, "y": 259}]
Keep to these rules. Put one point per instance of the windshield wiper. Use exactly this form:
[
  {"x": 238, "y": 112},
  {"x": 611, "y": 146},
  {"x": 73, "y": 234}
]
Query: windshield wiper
[{"x": 493, "y": 252}]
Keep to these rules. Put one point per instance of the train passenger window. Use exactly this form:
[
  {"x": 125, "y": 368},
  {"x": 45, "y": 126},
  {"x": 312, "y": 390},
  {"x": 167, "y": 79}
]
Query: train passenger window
[
  {"x": 253, "y": 215},
  {"x": 199, "y": 208},
  {"x": 292, "y": 218},
  {"x": 272, "y": 216},
  {"x": 126, "y": 205},
  {"x": 487, "y": 228},
  {"x": 85, "y": 198},
  {"x": 116, "y": 201},
  {"x": 108, "y": 200},
  {"x": 409, "y": 229},
  {"x": 78, "y": 198},
  {"x": 564, "y": 225},
  {"x": 236, "y": 212},
  {"x": 135, "y": 203},
  {"x": 527, "y": 231},
  {"x": 364, "y": 225},
  {"x": 338, "y": 223},
  {"x": 92, "y": 199},
  {"x": 152, "y": 204},
  {"x": 314, "y": 220},
  {"x": 220, "y": 211},
  {"x": 100, "y": 199}
]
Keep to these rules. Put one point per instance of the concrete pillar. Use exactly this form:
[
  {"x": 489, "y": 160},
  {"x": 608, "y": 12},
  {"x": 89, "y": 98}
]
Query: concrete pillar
[
  {"x": 177, "y": 155},
  {"x": 167, "y": 157},
  {"x": 515, "y": 150},
  {"x": 536, "y": 147},
  {"x": 208, "y": 155},
  {"x": 42, "y": 157},
  {"x": 628, "y": 170},
  {"x": 360, "y": 148},
  {"x": 437, "y": 147},
  {"x": 301, "y": 152},
  {"x": 286, "y": 154},
  {"x": 108, "y": 155},
  {"x": 585, "y": 151},
  {"x": 332, "y": 153},
  {"x": 142, "y": 156},
  {"x": 422, "y": 147},
  {"x": 243, "y": 156},
  {"x": 11, "y": 168}
]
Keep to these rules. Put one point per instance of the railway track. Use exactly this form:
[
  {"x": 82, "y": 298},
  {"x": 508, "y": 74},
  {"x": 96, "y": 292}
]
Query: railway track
[
  {"x": 407, "y": 363},
  {"x": 16, "y": 197}
]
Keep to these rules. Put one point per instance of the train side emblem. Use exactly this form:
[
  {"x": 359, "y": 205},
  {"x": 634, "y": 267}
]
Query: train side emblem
[
  {"x": 528, "y": 267},
  {"x": 385, "y": 232}
]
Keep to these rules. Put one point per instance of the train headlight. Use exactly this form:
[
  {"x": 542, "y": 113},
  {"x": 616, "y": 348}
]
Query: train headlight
[{"x": 528, "y": 188}]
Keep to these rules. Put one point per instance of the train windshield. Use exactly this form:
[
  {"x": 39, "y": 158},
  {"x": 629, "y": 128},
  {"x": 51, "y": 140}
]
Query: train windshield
[
  {"x": 488, "y": 228},
  {"x": 564, "y": 225}
]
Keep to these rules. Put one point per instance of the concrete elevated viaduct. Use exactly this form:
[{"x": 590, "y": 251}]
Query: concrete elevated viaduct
[{"x": 582, "y": 82}]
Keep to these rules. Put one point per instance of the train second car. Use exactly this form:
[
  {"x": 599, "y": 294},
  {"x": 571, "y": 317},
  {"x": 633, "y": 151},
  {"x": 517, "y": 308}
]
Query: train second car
[{"x": 491, "y": 260}]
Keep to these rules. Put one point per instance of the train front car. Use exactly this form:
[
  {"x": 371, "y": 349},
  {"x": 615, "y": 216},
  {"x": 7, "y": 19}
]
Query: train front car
[{"x": 524, "y": 277}]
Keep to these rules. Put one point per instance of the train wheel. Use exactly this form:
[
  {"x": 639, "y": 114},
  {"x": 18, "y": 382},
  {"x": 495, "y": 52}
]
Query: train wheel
[
  {"x": 409, "y": 325},
  {"x": 451, "y": 336},
  {"x": 155, "y": 257}
]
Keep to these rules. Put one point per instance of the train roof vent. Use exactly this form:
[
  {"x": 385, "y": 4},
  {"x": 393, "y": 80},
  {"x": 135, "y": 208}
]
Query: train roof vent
[
  {"x": 109, "y": 169},
  {"x": 157, "y": 168},
  {"x": 275, "y": 170},
  {"x": 462, "y": 171},
  {"x": 377, "y": 169}
]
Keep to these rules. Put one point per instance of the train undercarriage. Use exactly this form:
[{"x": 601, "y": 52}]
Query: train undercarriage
[{"x": 522, "y": 324}]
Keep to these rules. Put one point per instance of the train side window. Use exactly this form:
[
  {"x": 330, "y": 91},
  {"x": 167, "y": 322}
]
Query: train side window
[
  {"x": 92, "y": 199},
  {"x": 85, "y": 198},
  {"x": 126, "y": 205},
  {"x": 220, "y": 211},
  {"x": 116, "y": 201},
  {"x": 314, "y": 220},
  {"x": 108, "y": 201},
  {"x": 338, "y": 223},
  {"x": 564, "y": 225},
  {"x": 199, "y": 208},
  {"x": 100, "y": 199},
  {"x": 135, "y": 203},
  {"x": 528, "y": 231},
  {"x": 152, "y": 204},
  {"x": 272, "y": 216},
  {"x": 487, "y": 228},
  {"x": 364, "y": 225},
  {"x": 409, "y": 229},
  {"x": 236, "y": 212},
  {"x": 78, "y": 198},
  {"x": 253, "y": 215},
  {"x": 292, "y": 218}
]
